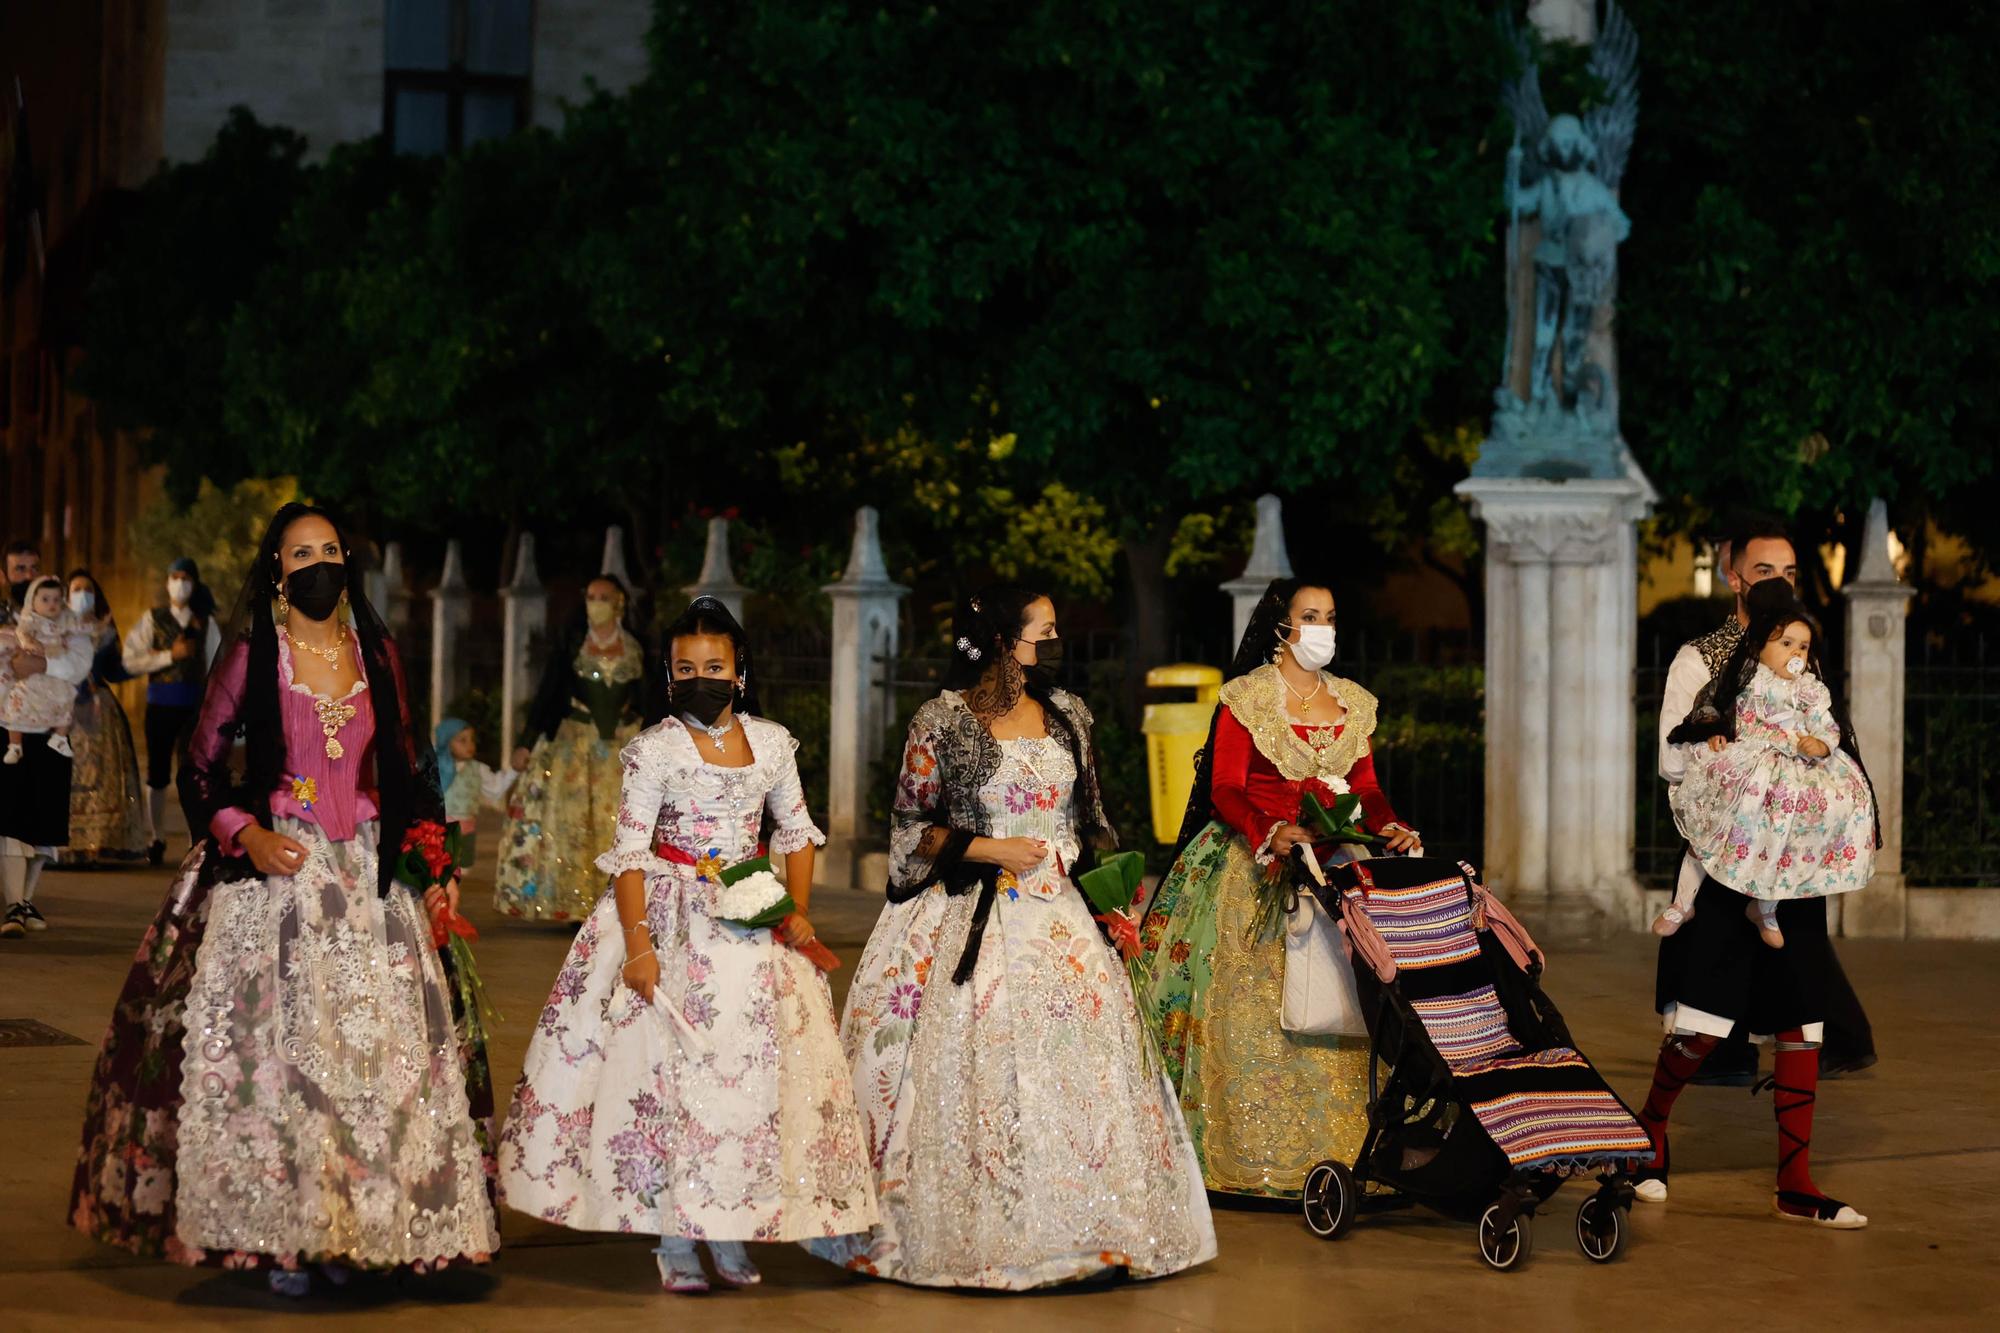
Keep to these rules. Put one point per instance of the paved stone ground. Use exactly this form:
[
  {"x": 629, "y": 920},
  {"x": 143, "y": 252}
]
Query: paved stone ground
[{"x": 1914, "y": 1143}]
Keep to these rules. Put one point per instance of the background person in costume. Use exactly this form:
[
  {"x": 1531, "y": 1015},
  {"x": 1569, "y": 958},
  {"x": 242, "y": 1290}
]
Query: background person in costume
[
  {"x": 592, "y": 700},
  {"x": 1264, "y": 1104},
  {"x": 1021, "y": 1134},
  {"x": 34, "y": 793},
  {"x": 38, "y": 702},
  {"x": 698, "y": 1055},
  {"x": 172, "y": 647},
  {"x": 107, "y": 807},
  {"x": 299, "y": 1093},
  {"x": 468, "y": 783}
]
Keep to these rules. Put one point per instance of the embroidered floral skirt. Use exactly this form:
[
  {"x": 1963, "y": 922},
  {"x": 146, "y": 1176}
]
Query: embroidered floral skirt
[
  {"x": 722, "y": 1111},
  {"x": 282, "y": 1082},
  {"x": 1773, "y": 824},
  {"x": 1263, "y": 1104},
  {"x": 106, "y": 820},
  {"x": 564, "y": 812},
  {"x": 1018, "y": 1136}
]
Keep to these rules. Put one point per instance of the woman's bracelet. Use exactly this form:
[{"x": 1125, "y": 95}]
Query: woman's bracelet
[{"x": 643, "y": 953}]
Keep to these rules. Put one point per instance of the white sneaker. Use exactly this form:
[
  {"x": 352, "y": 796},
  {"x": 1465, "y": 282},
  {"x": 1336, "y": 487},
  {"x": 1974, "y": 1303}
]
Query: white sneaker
[
  {"x": 60, "y": 745},
  {"x": 13, "y": 755},
  {"x": 1652, "y": 1191}
]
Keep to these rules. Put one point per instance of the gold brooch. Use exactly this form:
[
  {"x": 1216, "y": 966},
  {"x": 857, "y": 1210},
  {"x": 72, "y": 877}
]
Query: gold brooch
[
  {"x": 332, "y": 717},
  {"x": 305, "y": 791}
]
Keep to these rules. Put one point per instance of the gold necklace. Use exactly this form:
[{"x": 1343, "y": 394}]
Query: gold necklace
[
  {"x": 1305, "y": 700},
  {"x": 330, "y": 655}
]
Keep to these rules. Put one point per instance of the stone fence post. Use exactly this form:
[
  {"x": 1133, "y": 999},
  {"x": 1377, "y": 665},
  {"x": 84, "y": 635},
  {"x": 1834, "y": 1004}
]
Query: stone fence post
[
  {"x": 394, "y": 601},
  {"x": 1268, "y": 560},
  {"x": 1878, "y": 605},
  {"x": 718, "y": 578},
  {"x": 866, "y": 628},
  {"x": 524, "y": 618},
  {"x": 451, "y": 614}
]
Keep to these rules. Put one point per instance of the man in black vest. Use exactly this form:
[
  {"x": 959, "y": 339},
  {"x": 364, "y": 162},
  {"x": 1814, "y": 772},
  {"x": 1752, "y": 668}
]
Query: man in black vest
[
  {"x": 1700, "y": 1043},
  {"x": 172, "y": 646}
]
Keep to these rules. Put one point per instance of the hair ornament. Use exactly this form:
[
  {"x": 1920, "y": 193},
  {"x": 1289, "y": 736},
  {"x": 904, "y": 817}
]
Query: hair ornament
[{"x": 965, "y": 645}]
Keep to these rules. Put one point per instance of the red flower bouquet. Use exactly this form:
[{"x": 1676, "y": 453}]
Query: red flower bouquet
[{"x": 430, "y": 860}]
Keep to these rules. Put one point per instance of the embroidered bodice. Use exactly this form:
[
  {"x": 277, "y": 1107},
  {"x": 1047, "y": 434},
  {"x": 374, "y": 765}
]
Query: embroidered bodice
[
  {"x": 1029, "y": 797},
  {"x": 1779, "y": 711},
  {"x": 673, "y": 798},
  {"x": 319, "y": 786}
]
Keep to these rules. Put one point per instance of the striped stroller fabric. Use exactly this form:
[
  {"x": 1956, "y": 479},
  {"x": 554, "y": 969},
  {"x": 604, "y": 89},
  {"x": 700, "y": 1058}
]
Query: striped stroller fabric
[
  {"x": 1425, "y": 925},
  {"x": 1578, "y": 1128},
  {"x": 1468, "y": 1030},
  {"x": 1543, "y": 1109}
]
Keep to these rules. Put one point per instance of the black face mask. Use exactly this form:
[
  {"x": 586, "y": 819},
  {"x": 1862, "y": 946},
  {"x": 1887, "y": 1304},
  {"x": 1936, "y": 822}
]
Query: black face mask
[
  {"x": 702, "y": 697},
  {"x": 1049, "y": 654},
  {"x": 315, "y": 589}
]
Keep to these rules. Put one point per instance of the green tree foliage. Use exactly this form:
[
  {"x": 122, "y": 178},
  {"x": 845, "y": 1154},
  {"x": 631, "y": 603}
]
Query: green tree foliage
[
  {"x": 1808, "y": 309},
  {"x": 218, "y": 529},
  {"x": 1178, "y": 251},
  {"x": 157, "y": 328}
]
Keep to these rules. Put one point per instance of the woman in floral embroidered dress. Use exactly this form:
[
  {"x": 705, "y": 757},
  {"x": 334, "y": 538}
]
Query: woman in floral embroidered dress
[
  {"x": 1264, "y": 1104},
  {"x": 107, "y": 812},
  {"x": 1020, "y": 1134},
  {"x": 283, "y": 1083},
  {"x": 593, "y": 698},
  {"x": 685, "y": 1079}
]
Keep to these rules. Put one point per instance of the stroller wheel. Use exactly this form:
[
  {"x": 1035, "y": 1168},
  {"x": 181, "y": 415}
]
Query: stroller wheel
[
  {"x": 1600, "y": 1228},
  {"x": 1329, "y": 1199},
  {"x": 1505, "y": 1247}
]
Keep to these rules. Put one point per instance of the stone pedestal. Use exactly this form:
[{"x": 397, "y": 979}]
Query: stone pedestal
[
  {"x": 866, "y": 632},
  {"x": 524, "y": 617},
  {"x": 718, "y": 575},
  {"x": 1561, "y": 647},
  {"x": 451, "y": 613},
  {"x": 1268, "y": 560},
  {"x": 1878, "y": 604}
]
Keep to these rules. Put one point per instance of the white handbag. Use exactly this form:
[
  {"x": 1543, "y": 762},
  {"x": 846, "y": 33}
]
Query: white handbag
[{"x": 1320, "y": 996}]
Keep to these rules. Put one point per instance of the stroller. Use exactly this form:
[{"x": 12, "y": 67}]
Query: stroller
[{"x": 1487, "y": 1106}]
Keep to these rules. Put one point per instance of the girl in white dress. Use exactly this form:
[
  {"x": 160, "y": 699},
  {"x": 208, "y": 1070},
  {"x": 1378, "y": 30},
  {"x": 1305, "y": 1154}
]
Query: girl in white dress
[
  {"x": 685, "y": 1078},
  {"x": 1020, "y": 1134}
]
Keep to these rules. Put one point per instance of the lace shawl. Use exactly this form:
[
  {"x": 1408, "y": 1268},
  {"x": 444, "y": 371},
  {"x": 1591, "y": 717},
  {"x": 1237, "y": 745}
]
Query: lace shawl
[{"x": 948, "y": 757}]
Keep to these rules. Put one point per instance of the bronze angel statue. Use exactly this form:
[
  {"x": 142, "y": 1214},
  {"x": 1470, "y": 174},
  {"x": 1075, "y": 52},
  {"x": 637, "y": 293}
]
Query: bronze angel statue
[{"x": 1564, "y": 173}]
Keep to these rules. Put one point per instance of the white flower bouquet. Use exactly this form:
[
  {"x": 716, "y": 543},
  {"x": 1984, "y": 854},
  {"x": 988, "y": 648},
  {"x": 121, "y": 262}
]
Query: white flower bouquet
[{"x": 749, "y": 895}]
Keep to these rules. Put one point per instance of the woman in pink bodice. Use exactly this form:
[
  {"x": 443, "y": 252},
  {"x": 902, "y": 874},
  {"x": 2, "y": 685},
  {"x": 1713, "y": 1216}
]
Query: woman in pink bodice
[{"x": 284, "y": 1084}]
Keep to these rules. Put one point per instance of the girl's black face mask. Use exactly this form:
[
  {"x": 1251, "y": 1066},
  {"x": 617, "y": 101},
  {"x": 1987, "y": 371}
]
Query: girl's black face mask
[
  {"x": 315, "y": 589},
  {"x": 702, "y": 697}
]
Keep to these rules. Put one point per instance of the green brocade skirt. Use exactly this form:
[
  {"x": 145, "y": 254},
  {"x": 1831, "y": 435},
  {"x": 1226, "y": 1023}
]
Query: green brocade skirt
[{"x": 1263, "y": 1105}]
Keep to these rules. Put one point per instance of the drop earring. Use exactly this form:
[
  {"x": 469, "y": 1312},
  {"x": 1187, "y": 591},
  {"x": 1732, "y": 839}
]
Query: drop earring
[{"x": 284, "y": 609}]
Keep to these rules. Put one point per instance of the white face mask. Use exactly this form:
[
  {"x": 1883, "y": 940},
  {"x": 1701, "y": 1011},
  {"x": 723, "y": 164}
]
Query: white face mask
[
  {"x": 1314, "y": 648},
  {"x": 180, "y": 591},
  {"x": 1794, "y": 666},
  {"x": 82, "y": 602}
]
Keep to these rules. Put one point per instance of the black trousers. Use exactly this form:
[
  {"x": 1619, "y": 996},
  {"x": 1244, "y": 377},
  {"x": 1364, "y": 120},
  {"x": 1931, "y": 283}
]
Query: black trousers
[{"x": 169, "y": 727}]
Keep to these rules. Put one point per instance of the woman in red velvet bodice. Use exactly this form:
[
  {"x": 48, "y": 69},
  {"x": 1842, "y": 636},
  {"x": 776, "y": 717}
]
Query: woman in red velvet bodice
[
  {"x": 1265, "y": 1104},
  {"x": 1253, "y": 797}
]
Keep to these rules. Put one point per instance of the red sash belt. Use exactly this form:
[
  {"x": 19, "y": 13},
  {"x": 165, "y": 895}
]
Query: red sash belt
[{"x": 666, "y": 851}]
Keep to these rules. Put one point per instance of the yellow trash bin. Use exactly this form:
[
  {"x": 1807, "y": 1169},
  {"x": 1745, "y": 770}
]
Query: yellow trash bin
[{"x": 1174, "y": 734}]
